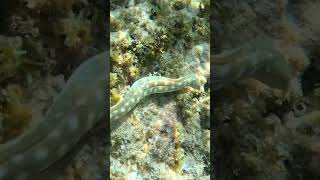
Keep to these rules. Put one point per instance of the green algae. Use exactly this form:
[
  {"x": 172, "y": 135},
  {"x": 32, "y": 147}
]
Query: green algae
[{"x": 166, "y": 39}]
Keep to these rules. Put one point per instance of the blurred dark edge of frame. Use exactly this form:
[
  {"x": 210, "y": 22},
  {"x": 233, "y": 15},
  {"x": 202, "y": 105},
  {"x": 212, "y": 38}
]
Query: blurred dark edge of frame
[
  {"x": 5, "y": 6},
  {"x": 108, "y": 132},
  {"x": 213, "y": 144}
]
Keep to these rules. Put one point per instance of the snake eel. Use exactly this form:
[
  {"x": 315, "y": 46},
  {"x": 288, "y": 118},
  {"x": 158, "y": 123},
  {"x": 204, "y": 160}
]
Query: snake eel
[
  {"x": 151, "y": 85},
  {"x": 75, "y": 110}
]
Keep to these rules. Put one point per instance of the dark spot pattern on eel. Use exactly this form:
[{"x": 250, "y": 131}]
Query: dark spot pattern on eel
[{"x": 147, "y": 86}]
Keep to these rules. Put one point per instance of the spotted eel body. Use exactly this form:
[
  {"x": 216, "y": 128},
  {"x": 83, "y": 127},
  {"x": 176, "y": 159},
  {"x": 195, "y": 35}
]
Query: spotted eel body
[
  {"x": 75, "y": 110},
  {"x": 151, "y": 85},
  {"x": 259, "y": 59}
]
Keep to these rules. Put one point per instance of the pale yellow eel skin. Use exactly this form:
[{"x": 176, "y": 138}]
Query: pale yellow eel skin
[
  {"x": 79, "y": 106},
  {"x": 147, "y": 86}
]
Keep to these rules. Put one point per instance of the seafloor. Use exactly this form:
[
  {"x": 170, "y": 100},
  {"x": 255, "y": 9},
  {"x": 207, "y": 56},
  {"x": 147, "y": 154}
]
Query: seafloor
[
  {"x": 266, "y": 110},
  {"x": 166, "y": 136},
  {"x": 266, "y": 102}
]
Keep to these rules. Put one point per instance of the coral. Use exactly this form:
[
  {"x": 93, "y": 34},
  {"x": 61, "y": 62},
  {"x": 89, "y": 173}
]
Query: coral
[
  {"x": 115, "y": 96},
  {"x": 25, "y": 26},
  {"x": 149, "y": 38},
  {"x": 114, "y": 79},
  {"x": 58, "y": 4},
  {"x": 180, "y": 4},
  {"x": 23, "y": 106},
  {"x": 133, "y": 72},
  {"x": 16, "y": 113},
  {"x": 10, "y": 56},
  {"x": 77, "y": 30},
  {"x": 120, "y": 40},
  {"x": 115, "y": 24},
  {"x": 36, "y": 3},
  {"x": 122, "y": 59}
]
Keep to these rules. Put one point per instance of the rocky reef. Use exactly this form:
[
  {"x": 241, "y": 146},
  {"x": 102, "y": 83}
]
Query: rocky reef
[
  {"x": 266, "y": 111},
  {"x": 167, "y": 135},
  {"x": 41, "y": 43}
]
